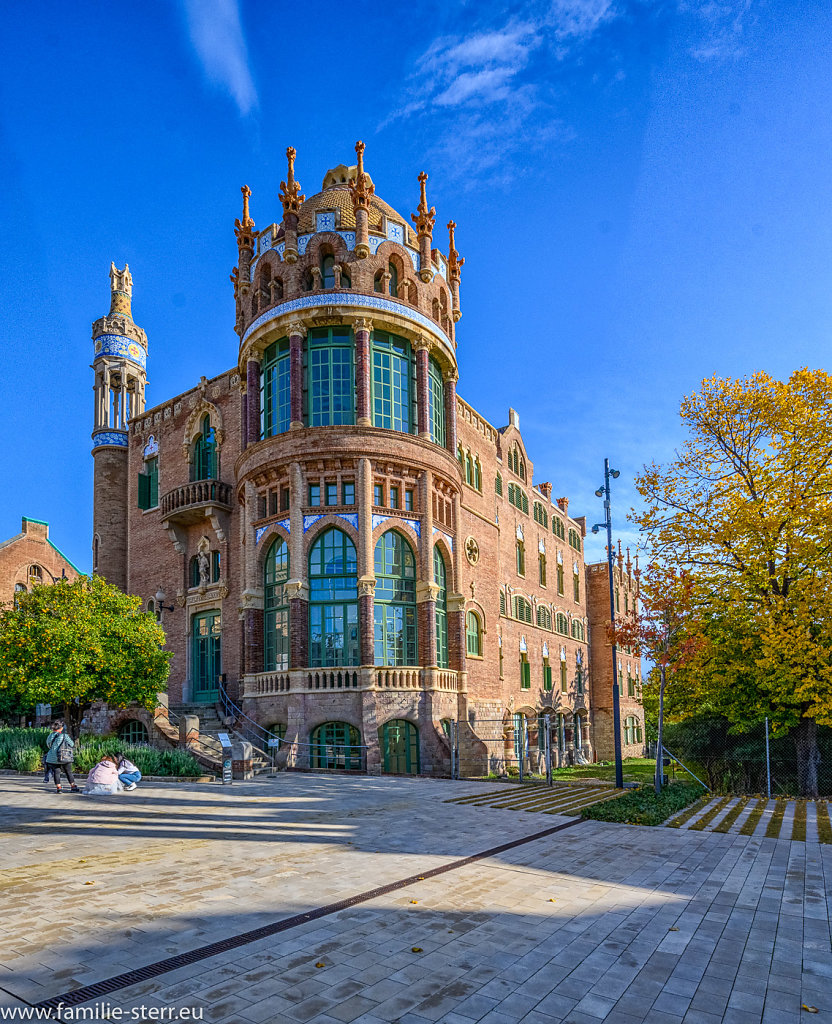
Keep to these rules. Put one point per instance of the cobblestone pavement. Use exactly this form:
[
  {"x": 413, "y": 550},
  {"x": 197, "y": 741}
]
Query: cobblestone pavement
[
  {"x": 800, "y": 820},
  {"x": 599, "y": 922}
]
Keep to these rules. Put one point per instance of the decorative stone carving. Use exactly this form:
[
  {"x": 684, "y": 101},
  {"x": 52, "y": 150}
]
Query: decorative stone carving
[
  {"x": 472, "y": 550},
  {"x": 367, "y": 586},
  {"x": 296, "y": 327},
  {"x": 297, "y": 589},
  {"x": 426, "y": 592}
]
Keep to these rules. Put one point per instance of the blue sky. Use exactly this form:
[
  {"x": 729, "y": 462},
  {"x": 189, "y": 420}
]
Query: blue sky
[{"x": 641, "y": 191}]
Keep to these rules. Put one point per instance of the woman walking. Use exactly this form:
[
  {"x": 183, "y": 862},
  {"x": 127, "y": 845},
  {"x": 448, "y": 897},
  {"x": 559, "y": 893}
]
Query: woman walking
[{"x": 59, "y": 754}]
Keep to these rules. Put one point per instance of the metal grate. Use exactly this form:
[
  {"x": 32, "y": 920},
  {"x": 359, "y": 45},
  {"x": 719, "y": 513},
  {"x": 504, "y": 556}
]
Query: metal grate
[{"x": 122, "y": 981}]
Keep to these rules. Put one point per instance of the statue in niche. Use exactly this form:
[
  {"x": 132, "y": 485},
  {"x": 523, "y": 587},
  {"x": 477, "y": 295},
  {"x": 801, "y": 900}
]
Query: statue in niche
[{"x": 204, "y": 564}]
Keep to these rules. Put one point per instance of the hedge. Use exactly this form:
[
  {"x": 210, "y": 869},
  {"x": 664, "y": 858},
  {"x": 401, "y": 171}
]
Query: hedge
[{"x": 644, "y": 806}]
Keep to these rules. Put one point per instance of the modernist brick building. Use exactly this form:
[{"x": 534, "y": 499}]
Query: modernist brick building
[
  {"x": 29, "y": 559},
  {"x": 348, "y": 546}
]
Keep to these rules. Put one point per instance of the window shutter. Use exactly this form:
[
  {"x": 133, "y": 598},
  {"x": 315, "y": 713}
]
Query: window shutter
[
  {"x": 153, "y": 489},
  {"x": 144, "y": 491}
]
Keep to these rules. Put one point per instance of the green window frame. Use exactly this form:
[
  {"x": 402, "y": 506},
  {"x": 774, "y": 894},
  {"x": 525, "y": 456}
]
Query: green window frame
[
  {"x": 399, "y": 746},
  {"x": 149, "y": 484},
  {"x": 348, "y": 492},
  {"x": 525, "y": 673},
  {"x": 314, "y": 495},
  {"x": 560, "y": 578},
  {"x": 408, "y": 500},
  {"x": 544, "y": 617},
  {"x": 473, "y": 635},
  {"x": 276, "y": 607},
  {"x": 576, "y": 586},
  {"x": 436, "y": 403},
  {"x": 378, "y": 495},
  {"x": 394, "y": 497},
  {"x": 562, "y": 624},
  {"x": 520, "y": 552},
  {"x": 204, "y": 463},
  {"x": 336, "y": 746},
  {"x": 498, "y": 485},
  {"x": 440, "y": 579},
  {"x": 331, "y": 490},
  {"x": 564, "y": 677},
  {"x": 330, "y": 377},
  {"x": 522, "y": 610},
  {"x": 547, "y": 675},
  {"x": 541, "y": 565},
  {"x": 333, "y": 600},
  {"x": 394, "y": 605},
  {"x": 133, "y": 731},
  {"x": 275, "y": 390},
  {"x": 502, "y": 603},
  {"x": 579, "y": 680},
  {"x": 393, "y": 393}
]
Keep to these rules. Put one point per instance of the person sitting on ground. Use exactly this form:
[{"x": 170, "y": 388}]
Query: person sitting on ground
[
  {"x": 59, "y": 754},
  {"x": 128, "y": 773},
  {"x": 103, "y": 778}
]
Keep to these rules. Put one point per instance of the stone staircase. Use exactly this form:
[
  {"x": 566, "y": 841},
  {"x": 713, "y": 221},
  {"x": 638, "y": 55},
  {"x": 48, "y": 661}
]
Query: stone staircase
[{"x": 210, "y": 725}]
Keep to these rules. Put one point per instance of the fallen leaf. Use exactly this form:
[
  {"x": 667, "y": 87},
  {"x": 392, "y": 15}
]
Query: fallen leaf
[
  {"x": 89, "y": 883},
  {"x": 420, "y": 878},
  {"x": 552, "y": 899},
  {"x": 416, "y": 949},
  {"x": 320, "y": 964},
  {"x": 414, "y": 901},
  {"x": 673, "y": 929},
  {"x": 808, "y": 1009}
]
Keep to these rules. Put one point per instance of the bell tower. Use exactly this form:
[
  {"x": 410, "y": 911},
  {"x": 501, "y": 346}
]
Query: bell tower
[{"x": 119, "y": 360}]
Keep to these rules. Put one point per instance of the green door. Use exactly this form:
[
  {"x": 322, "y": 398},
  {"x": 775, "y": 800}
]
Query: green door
[
  {"x": 400, "y": 747},
  {"x": 206, "y": 660}
]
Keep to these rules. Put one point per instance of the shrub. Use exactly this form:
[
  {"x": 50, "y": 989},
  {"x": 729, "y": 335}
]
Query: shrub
[
  {"x": 13, "y": 740},
  {"x": 644, "y": 806},
  {"x": 26, "y": 759}
]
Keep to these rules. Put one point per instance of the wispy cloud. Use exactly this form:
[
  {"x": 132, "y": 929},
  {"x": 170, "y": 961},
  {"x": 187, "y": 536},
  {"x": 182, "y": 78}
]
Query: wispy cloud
[
  {"x": 216, "y": 33},
  {"x": 722, "y": 22}
]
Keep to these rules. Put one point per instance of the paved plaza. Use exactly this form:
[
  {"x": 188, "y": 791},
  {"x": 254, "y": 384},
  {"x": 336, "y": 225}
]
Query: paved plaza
[{"x": 596, "y": 922}]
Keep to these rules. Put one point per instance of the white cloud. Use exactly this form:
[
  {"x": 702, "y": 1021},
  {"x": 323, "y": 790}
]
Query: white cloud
[
  {"x": 723, "y": 24},
  {"x": 579, "y": 19},
  {"x": 216, "y": 33}
]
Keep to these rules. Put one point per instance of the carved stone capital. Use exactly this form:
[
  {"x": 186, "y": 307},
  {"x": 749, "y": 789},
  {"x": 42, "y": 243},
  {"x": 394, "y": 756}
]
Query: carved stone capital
[
  {"x": 450, "y": 375},
  {"x": 251, "y": 599},
  {"x": 297, "y": 327},
  {"x": 297, "y": 589},
  {"x": 362, "y": 323},
  {"x": 366, "y": 586},
  {"x": 421, "y": 343},
  {"x": 456, "y": 602},
  {"x": 426, "y": 592}
]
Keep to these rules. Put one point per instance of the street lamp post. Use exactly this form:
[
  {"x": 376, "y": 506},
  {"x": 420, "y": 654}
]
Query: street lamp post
[{"x": 604, "y": 492}]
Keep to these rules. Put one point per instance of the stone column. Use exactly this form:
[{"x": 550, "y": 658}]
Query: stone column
[
  {"x": 366, "y": 573},
  {"x": 252, "y": 434},
  {"x": 298, "y": 586},
  {"x": 290, "y": 233},
  {"x": 456, "y": 602},
  {"x": 297, "y": 332},
  {"x": 426, "y": 589},
  {"x": 362, "y": 327},
  {"x": 252, "y": 596},
  {"x": 422, "y": 346},
  {"x": 450, "y": 378}
]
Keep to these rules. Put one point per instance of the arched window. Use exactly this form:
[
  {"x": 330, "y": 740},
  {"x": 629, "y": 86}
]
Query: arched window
[
  {"x": 576, "y": 583},
  {"x": 578, "y": 630},
  {"x": 328, "y": 272},
  {"x": 544, "y": 617},
  {"x": 193, "y": 575},
  {"x": 276, "y": 607},
  {"x": 560, "y": 577},
  {"x": 436, "y": 403},
  {"x": 469, "y": 469},
  {"x": 477, "y": 474},
  {"x": 562, "y": 624},
  {"x": 333, "y": 600},
  {"x": 498, "y": 485},
  {"x": 330, "y": 387},
  {"x": 35, "y": 576},
  {"x": 394, "y": 279},
  {"x": 521, "y": 558},
  {"x": 521, "y": 472},
  {"x": 439, "y": 578},
  {"x": 522, "y": 609},
  {"x": 336, "y": 746},
  {"x": 378, "y": 285},
  {"x": 541, "y": 564},
  {"x": 399, "y": 745},
  {"x": 395, "y": 601},
  {"x": 392, "y": 383},
  {"x": 473, "y": 635},
  {"x": 204, "y": 462},
  {"x": 133, "y": 731},
  {"x": 19, "y": 588},
  {"x": 275, "y": 407},
  {"x": 502, "y": 603}
]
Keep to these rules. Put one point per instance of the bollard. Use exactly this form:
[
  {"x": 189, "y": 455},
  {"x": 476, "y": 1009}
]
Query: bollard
[{"x": 188, "y": 730}]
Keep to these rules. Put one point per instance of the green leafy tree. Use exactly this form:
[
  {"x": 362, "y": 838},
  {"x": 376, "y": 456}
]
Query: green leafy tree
[
  {"x": 746, "y": 509},
  {"x": 78, "y": 642}
]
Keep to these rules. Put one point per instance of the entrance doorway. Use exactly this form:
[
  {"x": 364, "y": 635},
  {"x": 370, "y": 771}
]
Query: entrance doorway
[
  {"x": 400, "y": 747},
  {"x": 206, "y": 656}
]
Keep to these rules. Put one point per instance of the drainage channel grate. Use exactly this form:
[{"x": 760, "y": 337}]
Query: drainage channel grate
[{"x": 122, "y": 981}]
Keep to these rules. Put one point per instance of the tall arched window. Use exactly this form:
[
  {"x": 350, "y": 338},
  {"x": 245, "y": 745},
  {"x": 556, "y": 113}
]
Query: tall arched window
[
  {"x": 328, "y": 272},
  {"x": 276, "y": 607},
  {"x": 333, "y": 600},
  {"x": 521, "y": 558},
  {"x": 329, "y": 377},
  {"x": 275, "y": 408},
  {"x": 392, "y": 383},
  {"x": 436, "y": 403},
  {"x": 336, "y": 746},
  {"x": 473, "y": 635},
  {"x": 395, "y": 601},
  {"x": 204, "y": 463},
  {"x": 469, "y": 469},
  {"x": 394, "y": 279},
  {"x": 35, "y": 576},
  {"x": 439, "y": 578}
]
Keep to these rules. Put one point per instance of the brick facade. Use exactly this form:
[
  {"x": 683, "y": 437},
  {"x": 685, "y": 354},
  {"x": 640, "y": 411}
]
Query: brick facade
[
  {"x": 30, "y": 558},
  {"x": 345, "y": 260}
]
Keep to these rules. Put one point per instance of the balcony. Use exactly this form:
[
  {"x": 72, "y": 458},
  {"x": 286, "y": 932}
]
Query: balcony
[
  {"x": 192, "y": 502},
  {"x": 314, "y": 680}
]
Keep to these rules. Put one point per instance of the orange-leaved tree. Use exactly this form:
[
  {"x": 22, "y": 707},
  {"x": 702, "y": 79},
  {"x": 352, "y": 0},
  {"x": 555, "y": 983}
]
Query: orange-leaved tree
[
  {"x": 745, "y": 508},
  {"x": 664, "y": 631}
]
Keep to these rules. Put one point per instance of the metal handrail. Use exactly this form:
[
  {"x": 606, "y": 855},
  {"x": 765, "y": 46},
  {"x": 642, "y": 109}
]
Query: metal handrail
[{"x": 261, "y": 735}]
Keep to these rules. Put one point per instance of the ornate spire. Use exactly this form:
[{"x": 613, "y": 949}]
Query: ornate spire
[
  {"x": 425, "y": 218},
  {"x": 620, "y": 555},
  {"x": 454, "y": 262},
  {"x": 290, "y": 193},
  {"x": 243, "y": 228},
  {"x": 629, "y": 562},
  {"x": 359, "y": 187},
  {"x": 121, "y": 290},
  {"x": 637, "y": 570}
]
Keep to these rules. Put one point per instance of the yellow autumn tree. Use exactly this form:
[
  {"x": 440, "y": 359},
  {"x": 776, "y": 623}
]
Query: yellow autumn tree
[{"x": 746, "y": 509}]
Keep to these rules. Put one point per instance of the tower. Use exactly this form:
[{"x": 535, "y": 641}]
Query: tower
[{"x": 119, "y": 366}]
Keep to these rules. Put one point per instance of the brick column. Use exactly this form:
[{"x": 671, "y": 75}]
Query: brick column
[
  {"x": 298, "y": 585},
  {"x": 422, "y": 357},
  {"x": 244, "y": 420},
  {"x": 253, "y": 640},
  {"x": 252, "y": 434},
  {"x": 366, "y": 573},
  {"x": 362, "y": 328},
  {"x": 450, "y": 377},
  {"x": 297, "y": 332},
  {"x": 426, "y": 589}
]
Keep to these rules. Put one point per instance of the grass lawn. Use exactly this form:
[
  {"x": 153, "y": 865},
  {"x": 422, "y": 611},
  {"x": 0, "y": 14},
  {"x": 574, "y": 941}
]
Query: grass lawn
[{"x": 636, "y": 769}]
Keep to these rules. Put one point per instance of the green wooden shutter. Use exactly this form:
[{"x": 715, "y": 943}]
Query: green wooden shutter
[{"x": 144, "y": 491}]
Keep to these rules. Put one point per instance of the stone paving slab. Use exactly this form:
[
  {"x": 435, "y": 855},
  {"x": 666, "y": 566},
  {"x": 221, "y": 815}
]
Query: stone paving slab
[
  {"x": 599, "y": 922},
  {"x": 815, "y": 811}
]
